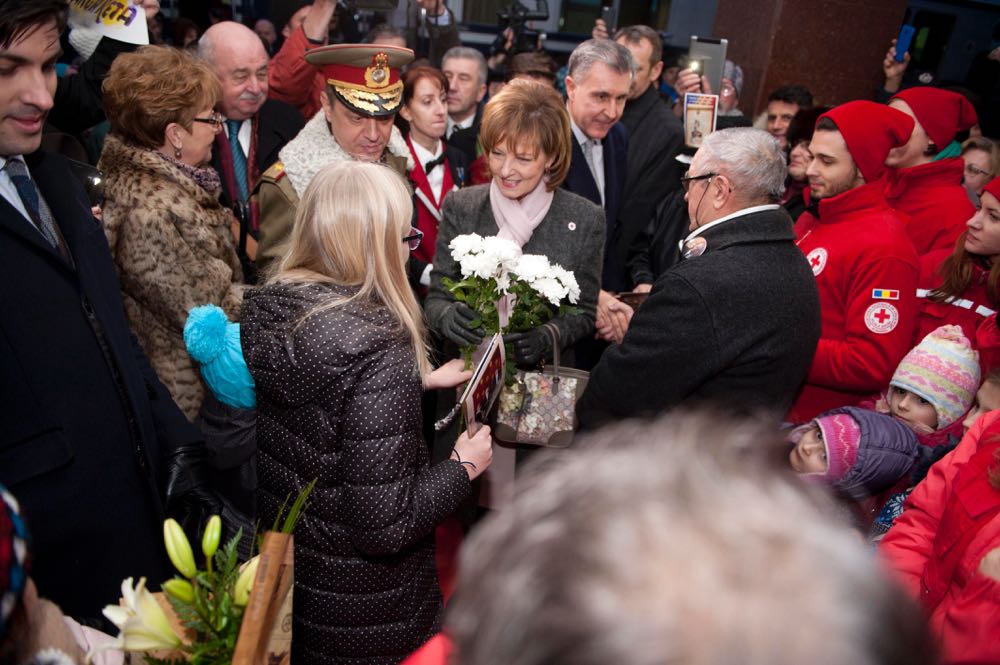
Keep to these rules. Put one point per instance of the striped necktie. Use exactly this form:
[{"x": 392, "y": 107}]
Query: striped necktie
[
  {"x": 239, "y": 160},
  {"x": 36, "y": 206}
]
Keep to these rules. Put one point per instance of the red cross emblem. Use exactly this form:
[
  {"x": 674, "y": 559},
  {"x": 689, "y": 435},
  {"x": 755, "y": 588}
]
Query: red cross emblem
[
  {"x": 817, "y": 260},
  {"x": 881, "y": 317}
]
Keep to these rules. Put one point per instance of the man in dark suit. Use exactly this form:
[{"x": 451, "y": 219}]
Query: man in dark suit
[
  {"x": 90, "y": 441},
  {"x": 598, "y": 83},
  {"x": 655, "y": 137},
  {"x": 466, "y": 71},
  {"x": 733, "y": 325},
  {"x": 256, "y": 127}
]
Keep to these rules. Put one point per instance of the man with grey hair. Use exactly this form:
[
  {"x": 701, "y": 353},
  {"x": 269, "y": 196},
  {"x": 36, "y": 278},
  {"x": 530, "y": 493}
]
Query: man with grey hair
[
  {"x": 736, "y": 323},
  {"x": 680, "y": 541},
  {"x": 256, "y": 128},
  {"x": 466, "y": 71},
  {"x": 597, "y": 86}
]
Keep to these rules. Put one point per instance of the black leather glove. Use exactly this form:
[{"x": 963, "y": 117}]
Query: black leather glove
[
  {"x": 190, "y": 499},
  {"x": 530, "y": 346},
  {"x": 457, "y": 325}
]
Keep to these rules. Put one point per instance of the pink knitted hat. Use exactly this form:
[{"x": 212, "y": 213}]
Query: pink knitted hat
[
  {"x": 944, "y": 370},
  {"x": 841, "y": 436}
]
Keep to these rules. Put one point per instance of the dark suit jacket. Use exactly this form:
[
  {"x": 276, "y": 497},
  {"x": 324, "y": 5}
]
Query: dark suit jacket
[
  {"x": 736, "y": 328},
  {"x": 467, "y": 139},
  {"x": 581, "y": 182},
  {"x": 655, "y": 136},
  {"x": 84, "y": 422},
  {"x": 77, "y": 103},
  {"x": 278, "y": 123}
]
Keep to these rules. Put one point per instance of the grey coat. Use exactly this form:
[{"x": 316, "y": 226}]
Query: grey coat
[
  {"x": 736, "y": 327},
  {"x": 572, "y": 235}
]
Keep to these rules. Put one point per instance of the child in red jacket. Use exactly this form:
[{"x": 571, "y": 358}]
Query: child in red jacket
[{"x": 945, "y": 547}]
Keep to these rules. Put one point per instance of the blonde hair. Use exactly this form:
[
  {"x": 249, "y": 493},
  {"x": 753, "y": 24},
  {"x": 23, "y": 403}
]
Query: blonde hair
[
  {"x": 349, "y": 229},
  {"x": 532, "y": 112}
]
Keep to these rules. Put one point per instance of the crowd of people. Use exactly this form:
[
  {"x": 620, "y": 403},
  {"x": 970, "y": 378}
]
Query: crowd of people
[{"x": 791, "y": 331}]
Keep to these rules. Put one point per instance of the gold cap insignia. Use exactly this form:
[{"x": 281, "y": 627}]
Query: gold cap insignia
[{"x": 377, "y": 74}]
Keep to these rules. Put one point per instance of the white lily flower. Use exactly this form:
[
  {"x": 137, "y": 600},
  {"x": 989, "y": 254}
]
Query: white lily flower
[{"x": 142, "y": 623}]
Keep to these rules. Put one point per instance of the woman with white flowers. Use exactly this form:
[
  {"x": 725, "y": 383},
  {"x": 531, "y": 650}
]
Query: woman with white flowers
[
  {"x": 336, "y": 346},
  {"x": 526, "y": 136}
]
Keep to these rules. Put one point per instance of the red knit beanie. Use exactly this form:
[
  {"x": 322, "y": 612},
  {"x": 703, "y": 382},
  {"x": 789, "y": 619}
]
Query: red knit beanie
[
  {"x": 993, "y": 187},
  {"x": 942, "y": 113},
  {"x": 870, "y": 131}
]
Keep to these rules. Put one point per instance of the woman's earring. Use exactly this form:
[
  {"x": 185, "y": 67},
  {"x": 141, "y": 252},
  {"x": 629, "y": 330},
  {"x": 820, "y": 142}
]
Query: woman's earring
[{"x": 177, "y": 152}]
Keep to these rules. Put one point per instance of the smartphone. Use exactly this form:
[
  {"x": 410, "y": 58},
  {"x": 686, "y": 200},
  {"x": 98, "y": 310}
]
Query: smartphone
[
  {"x": 91, "y": 179},
  {"x": 711, "y": 53},
  {"x": 610, "y": 17},
  {"x": 904, "y": 40}
]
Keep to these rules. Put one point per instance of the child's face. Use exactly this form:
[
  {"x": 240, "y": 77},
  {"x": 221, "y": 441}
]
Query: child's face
[
  {"x": 809, "y": 454},
  {"x": 987, "y": 399},
  {"x": 912, "y": 409}
]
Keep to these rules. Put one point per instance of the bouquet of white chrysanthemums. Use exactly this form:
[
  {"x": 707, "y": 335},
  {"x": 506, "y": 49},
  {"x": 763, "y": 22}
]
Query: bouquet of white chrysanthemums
[{"x": 497, "y": 278}]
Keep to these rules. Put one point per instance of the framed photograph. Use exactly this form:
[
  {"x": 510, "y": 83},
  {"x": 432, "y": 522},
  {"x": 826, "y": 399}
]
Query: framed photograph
[
  {"x": 484, "y": 387},
  {"x": 700, "y": 112}
]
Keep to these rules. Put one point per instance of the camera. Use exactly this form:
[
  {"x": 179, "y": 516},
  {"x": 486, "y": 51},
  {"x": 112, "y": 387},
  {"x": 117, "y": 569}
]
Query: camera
[{"x": 515, "y": 16}]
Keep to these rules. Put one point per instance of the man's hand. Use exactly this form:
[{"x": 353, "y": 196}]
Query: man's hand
[
  {"x": 600, "y": 30},
  {"x": 613, "y": 317},
  {"x": 317, "y": 22},
  {"x": 689, "y": 81},
  {"x": 990, "y": 564},
  {"x": 894, "y": 70},
  {"x": 643, "y": 288}
]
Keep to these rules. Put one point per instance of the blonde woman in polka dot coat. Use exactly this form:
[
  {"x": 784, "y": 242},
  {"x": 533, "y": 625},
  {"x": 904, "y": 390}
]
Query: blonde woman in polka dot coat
[{"x": 335, "y": 344}]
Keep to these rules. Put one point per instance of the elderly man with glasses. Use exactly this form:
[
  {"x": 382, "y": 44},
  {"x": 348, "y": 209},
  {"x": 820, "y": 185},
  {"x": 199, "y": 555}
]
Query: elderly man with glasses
[{"x": 733, "y": 325}]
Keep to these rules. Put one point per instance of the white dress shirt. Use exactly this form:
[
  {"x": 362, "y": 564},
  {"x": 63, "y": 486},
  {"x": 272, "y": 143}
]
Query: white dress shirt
[
  {"x": 463, "y": 124},
  {"x": 596, "y": 154},
  {"x": 9, "y": 191},
  {"x": 243, "y": 136},
  {"x": 739, "y": 213},
  {"x": 436, "y": 177}
]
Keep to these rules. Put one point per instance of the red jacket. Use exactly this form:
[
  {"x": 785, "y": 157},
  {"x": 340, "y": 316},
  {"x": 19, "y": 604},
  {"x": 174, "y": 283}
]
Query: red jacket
[
  {"x": 292, "y": 80},
  {"x": 950, "y": 522},
  {"x": 428, "y": 208},
  {"x": 436, "y": 651},
  {"x": 932, "y": 203},
  {"x": 968, "y": 311},
  {"x": 866, "y": 272}
]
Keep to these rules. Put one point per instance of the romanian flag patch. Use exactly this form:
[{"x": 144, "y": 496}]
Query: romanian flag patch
[{"x": 885, "y": 294}]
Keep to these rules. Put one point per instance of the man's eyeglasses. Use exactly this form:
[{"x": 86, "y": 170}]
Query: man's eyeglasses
[
  {"x": 216, "y": 120},
  {"x": 413, "y": 240},
  {"x": 688, "y": 179}
]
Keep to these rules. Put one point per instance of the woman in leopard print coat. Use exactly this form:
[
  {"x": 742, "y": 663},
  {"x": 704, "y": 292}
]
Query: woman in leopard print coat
[{"x": 170, "y": 237}]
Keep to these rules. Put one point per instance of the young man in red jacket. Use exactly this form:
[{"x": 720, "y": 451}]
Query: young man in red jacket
[
  {"x": 864, "y": 263},
  {"x": 924, "y": 184}
]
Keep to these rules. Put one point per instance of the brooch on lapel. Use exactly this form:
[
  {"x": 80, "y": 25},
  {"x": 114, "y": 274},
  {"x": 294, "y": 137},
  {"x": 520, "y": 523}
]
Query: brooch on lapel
[{"x": 694, "y": 247}]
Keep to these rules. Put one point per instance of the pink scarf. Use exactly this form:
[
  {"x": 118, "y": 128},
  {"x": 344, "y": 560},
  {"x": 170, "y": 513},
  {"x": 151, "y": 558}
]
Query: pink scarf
[{"x": 517, "y": 219}]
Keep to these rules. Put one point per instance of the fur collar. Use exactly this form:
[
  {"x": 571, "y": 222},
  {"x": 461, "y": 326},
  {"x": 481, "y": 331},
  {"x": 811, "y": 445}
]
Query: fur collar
[
  {"x": 124, "y": 165},
  {"x": 314, "y": 147}
]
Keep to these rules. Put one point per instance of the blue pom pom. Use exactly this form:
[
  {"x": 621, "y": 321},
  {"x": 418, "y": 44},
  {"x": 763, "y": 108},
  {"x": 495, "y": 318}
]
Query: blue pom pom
[{"x": 205, "y": 333}]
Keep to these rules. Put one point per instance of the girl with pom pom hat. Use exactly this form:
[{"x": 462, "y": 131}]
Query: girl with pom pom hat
[
  {"x": 864, "y": 264},
  {"x": 924, "y": 183}
]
